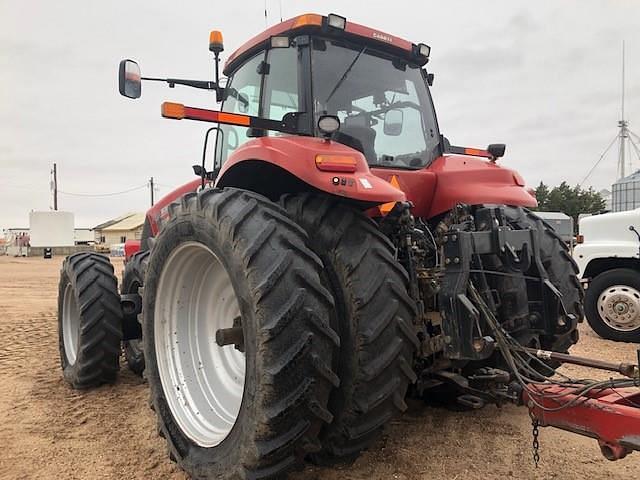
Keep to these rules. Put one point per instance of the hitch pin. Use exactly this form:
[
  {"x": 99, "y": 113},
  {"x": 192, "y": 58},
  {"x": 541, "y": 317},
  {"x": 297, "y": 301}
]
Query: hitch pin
[{"x": 627, "y": 369}]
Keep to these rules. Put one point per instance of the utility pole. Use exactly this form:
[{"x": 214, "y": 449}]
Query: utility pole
[
  {"x": 55, "y": 187},
  {"x": 151, "y": 188}
]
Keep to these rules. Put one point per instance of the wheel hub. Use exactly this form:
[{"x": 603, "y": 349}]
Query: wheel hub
[
  {"x": 619, "y": 307},
  {"x": 203, "y": 382}
]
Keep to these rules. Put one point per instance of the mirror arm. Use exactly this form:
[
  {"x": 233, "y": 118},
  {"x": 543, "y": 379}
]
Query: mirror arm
[{"x": 205, "y": 85}]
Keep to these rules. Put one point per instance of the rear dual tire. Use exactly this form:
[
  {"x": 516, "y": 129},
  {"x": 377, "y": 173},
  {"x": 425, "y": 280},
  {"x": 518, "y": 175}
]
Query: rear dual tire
[
  {"x": 563, "y": 274},
  {"x": 373, "y": 315}
]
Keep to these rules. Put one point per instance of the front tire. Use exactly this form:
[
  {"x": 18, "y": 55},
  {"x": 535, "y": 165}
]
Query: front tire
[
  {"x": 612, "y": 305},
  {"x": 231, "y": 259},
  {"x": 132, "y": 281},
  {"x": 89, "y": 320}
]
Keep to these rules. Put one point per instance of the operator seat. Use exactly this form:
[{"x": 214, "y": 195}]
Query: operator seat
[{"x": 355, "y": 128}]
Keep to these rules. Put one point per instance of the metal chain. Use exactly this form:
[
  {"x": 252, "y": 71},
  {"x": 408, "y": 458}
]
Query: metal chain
[{"x": 536, "y": 443}]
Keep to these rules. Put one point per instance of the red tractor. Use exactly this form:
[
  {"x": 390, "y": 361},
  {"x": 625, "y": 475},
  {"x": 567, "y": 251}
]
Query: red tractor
[{"x": 337, "y": 254}]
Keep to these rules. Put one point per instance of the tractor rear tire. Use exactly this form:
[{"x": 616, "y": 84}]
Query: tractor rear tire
[
  {"x": 132, "y": 281},
  {"x": 227, "y": 260},
  {"x": 562, "y": 271},
  {"x": 89, "y": 320},
  {"x": 373, "y": 317}
]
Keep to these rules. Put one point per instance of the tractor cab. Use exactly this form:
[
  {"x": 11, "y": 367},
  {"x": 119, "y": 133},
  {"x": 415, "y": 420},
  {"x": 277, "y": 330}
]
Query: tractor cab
[{"x": 313, "y": 67}]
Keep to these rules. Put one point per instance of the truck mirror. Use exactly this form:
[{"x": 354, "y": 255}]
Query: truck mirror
[
  {"x": 393, "y": 121},
  {"x": 129, "y": 80}
]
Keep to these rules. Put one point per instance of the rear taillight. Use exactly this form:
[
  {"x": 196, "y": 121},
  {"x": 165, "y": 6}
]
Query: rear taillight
[
  {"x": 579, "y": 238},
  {"x": 336, "y": 163}
]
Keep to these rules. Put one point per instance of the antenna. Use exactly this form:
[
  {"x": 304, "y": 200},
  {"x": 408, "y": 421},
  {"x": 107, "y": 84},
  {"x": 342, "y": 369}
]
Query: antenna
[
  {"x": 623, "y": 124},
  {"x": 623, "y": 136},
  {"x": 266, "y": 24}
]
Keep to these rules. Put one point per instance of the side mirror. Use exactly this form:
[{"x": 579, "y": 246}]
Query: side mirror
[
  {"x": 129, "y": 79},
  {"x": 393, "y": 121},
  {"x": 496, "y": 149}
]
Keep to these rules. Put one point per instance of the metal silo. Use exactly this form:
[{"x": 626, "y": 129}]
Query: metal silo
[{"x": 626, "y": 193}]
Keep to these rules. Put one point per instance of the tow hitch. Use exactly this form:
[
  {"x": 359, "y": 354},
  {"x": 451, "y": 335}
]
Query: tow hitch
[
  {"x": 611, "y": 415},
  {"x": 608, "y": 411}
]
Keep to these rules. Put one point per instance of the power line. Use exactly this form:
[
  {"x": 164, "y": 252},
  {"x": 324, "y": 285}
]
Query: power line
[
  {"x": 111, "y": 194},
  {"x": 599, "y": 160}
]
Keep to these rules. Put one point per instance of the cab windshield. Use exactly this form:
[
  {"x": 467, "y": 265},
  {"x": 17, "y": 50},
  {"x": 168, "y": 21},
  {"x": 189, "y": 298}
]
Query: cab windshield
[{"x": 384, "y": 106}]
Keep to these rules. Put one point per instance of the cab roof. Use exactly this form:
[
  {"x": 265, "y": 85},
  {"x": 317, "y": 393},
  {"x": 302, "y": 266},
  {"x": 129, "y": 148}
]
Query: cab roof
[{"x": 316, "y": 23}]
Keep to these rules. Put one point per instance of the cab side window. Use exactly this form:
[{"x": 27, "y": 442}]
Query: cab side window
[
  {"x": 243, "y": 96},
  {"x": 281, "y": 84}
]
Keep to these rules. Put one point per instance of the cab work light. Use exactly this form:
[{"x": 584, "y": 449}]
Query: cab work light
[
  {"x": 279, "y": 42},
  {"x": 336, "y": 163},
  {"x": 424, "y": 50},
  {"x": 336, "y": 21}
]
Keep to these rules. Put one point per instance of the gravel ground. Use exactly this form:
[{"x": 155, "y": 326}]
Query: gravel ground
[{"x": 48, "y": 430}]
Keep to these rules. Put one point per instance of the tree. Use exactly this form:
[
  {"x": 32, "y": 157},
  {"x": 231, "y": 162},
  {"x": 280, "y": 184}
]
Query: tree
[
  {"x": 571, "y": 201},
  {"x": 542, "y": 195}
]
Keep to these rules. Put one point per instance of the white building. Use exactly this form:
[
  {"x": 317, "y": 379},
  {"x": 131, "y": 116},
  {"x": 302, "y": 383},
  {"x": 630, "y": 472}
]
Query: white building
[{"x": 51, "y": 229}]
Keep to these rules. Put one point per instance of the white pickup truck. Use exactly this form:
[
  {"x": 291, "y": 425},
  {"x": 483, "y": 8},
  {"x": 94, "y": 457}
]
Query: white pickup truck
[{"x": 608, "y": 255}]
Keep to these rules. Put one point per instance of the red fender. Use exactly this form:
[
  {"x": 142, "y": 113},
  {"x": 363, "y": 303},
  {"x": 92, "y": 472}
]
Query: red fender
[
  {"x": 453, "y": 179},
  {"x": 159, "y": 212},
  {"x": 297, "y": 155}
]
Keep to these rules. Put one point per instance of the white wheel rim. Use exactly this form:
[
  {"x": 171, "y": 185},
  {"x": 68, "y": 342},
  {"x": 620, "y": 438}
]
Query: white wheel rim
[
  {"x": 619, "y": 308},
  {"x": 70, "y": 324},
  {"x": 202, "y": 382}
]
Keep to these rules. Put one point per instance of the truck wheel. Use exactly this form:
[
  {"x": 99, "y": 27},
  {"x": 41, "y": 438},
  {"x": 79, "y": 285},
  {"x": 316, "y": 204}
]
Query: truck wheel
[
  {"x": 373, "y": 316},
  {"x": 132, "y": 280},
  {"x": 89, "y": 320},
  {"x": 229, "y": 267},
  {"x": 612, "y": 305}
]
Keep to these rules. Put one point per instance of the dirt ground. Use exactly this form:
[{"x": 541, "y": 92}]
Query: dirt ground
[{"x": 48, "y": 430}]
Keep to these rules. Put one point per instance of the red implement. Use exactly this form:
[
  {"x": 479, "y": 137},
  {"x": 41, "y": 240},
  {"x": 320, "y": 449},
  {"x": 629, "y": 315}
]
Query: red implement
[{"x": 612, "y": 416}]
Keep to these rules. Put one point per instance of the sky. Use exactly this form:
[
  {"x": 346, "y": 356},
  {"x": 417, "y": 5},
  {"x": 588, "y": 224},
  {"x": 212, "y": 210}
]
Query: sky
[{"x": 543, "y": 77}]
